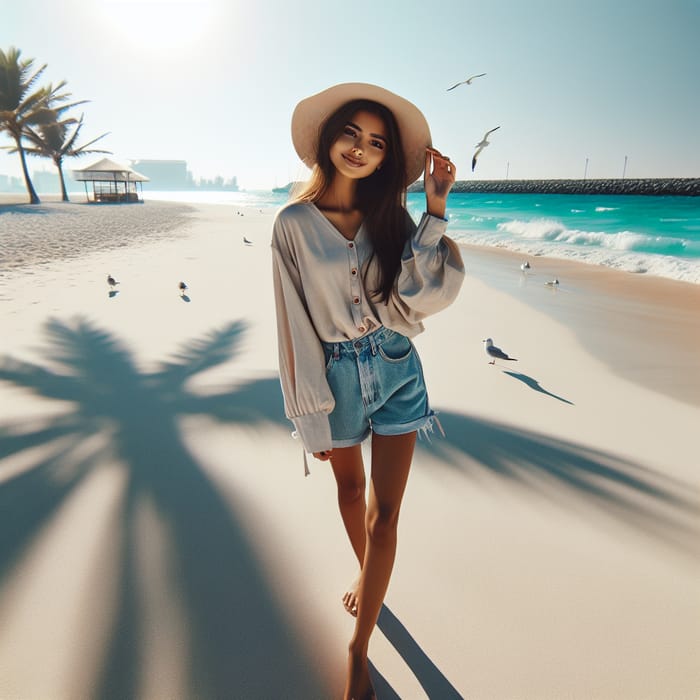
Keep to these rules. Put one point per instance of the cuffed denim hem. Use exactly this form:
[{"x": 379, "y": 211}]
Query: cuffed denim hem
[
  {"x": 423, "y": 425},
  {"x": 349, "y": 442}
]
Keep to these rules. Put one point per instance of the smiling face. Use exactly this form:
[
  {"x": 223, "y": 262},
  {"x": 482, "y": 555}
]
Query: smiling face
[{"x": 361, "y": 147}]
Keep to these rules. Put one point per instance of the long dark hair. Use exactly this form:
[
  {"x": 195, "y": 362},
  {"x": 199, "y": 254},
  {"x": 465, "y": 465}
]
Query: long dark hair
[{"x": 381, "y": 197}]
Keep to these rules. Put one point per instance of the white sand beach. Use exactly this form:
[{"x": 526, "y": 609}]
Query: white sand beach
[{"x": 158, "y": 538}]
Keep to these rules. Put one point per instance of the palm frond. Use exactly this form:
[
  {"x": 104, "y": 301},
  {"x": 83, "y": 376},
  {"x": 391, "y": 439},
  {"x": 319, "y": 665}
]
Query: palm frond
[
  {"x": 80, "y": 150},
  {"x": 37, "y": 380},
  {"x": 77, "y": 151},
  {"x": 53, "y": 138},
  {"x": 15, "y": 78},
  {"x": 205, "y": 353},
  {"x": 60, "y": 109}
]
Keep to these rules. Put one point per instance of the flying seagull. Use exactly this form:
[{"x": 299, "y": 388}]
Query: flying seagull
[
  {"x": 111, "y": 281},
  {"x": 182, "y": 287},
  {"x": 495, "y": 353},
  {"x": 246, "y": 241},
  {"x": 482, "y": 145},
  {"x": 468, "y": 81}
]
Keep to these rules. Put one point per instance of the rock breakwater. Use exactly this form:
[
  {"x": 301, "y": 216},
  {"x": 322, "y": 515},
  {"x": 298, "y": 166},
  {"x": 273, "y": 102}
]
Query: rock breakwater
[{"x": 684, "y": 187}]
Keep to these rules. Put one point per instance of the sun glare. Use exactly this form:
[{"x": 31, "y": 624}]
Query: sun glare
[{"x": 157, "y": 24}]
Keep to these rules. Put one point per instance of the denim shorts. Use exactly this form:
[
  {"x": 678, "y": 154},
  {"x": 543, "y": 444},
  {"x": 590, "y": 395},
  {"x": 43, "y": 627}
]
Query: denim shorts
[{"x": 377, "y": 382}]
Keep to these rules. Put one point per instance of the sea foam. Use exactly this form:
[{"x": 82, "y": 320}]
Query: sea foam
[{"x": 618, "y": 253}]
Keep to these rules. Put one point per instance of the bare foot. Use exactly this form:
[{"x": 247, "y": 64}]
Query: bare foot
[
  {"x": 359, "y": 683},
  {"x": 350, "y": 597}
]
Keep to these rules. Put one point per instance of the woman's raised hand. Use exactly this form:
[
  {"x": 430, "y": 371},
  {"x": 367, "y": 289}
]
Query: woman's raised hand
[{"x": 440, "y": 173}]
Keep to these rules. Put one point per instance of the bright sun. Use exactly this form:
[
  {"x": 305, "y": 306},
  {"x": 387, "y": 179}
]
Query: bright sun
[{"x": 157, "y": 24}]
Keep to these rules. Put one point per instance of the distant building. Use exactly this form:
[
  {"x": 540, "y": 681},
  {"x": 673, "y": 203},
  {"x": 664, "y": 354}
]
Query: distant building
[
  {"x": 48, "y": 182},
  {"x": 45, "y": 181},
  {"x": 174, "y": 175},
  {"x": 165, "y": 174},
  {"x": 8, "y": 183}
]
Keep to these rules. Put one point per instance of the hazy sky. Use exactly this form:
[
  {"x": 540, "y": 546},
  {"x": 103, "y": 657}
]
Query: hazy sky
[{"x": 214, "y": 82}]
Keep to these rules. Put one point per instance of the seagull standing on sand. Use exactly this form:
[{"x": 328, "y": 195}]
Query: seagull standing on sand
[
  {"x": 495, "y": 353},
  {"x": 525, "y": 266},
  {"x": 111, "y": 281},
  {"x": 552, "y": 283},
  {"x": 182, "y": 287},
  {"x": 482, "y": 145},
  {"x": 468, "y": 81}
]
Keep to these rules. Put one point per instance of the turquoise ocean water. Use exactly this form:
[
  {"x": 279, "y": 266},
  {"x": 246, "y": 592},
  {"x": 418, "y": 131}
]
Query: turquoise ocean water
[{"x": 653, "y": 235}]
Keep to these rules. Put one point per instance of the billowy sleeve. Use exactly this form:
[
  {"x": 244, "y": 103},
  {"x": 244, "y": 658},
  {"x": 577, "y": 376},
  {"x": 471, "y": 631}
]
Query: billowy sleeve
[
  {"x": 431, "y": 273},
  {"x": 307, "y": 397}
]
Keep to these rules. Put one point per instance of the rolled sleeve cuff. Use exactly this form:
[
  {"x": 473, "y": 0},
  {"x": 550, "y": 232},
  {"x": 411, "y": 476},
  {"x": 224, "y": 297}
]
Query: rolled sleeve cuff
[
  {"x": 429, "y": 232},
  {"x": 314, "y": 430}
]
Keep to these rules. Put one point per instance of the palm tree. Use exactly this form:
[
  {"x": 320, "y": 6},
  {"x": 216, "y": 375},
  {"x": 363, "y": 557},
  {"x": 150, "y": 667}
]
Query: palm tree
[
  {"x": 18, "y": 103},
  {"x": 21, "y": 105},
  {"x": 54, "y": 139}
]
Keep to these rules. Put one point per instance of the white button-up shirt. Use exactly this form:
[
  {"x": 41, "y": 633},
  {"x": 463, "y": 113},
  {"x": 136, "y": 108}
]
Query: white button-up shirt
[{"x": 324, "y": 292}]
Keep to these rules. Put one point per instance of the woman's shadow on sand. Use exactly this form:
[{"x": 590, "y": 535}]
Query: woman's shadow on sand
[{"x": 237, "y": 632}]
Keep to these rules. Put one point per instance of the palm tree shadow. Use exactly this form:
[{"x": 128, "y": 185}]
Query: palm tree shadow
[
  {"x": 535, "y": 385},
  {"x": 566, "y": 474},
  {"x": 235, "y": 627},
  {"x": 25, "y": 209}
]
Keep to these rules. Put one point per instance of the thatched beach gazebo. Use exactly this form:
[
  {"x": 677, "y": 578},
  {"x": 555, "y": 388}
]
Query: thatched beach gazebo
[{"x": 111, "y": 181}]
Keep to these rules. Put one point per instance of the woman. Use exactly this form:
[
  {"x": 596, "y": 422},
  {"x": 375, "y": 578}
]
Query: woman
[{"x": 354, "y": 277}]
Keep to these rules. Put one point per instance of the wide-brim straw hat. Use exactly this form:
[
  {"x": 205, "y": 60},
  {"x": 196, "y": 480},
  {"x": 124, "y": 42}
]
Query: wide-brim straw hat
[{"x": 311, "y": 113}]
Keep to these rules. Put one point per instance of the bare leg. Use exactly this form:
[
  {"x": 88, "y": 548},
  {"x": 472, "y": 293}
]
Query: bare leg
[
  {"x": 391, "y": 463},
  {"x": 349, "y": 472}
]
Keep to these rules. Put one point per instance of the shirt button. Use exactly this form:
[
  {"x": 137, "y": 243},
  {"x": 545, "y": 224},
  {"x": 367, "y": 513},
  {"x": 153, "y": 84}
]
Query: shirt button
[
  {"x": 353, "y": 271},
  {"x": 351, "y": 245},
  {"x": 362, "y": 329},
  {"x": 356, "y": 300}
]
